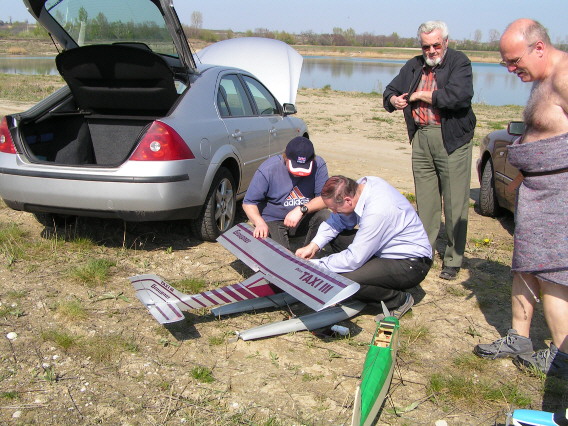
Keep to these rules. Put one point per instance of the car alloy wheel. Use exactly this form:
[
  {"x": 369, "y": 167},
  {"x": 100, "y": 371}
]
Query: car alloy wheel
[{"x": 218, "y": 213}]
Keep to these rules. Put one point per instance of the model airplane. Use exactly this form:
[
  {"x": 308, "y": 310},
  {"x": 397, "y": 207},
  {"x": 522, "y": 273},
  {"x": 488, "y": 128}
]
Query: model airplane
[
  {"x": 377, "y": 371},
  {"x": 537, "y": 418},
  {"x": 281, "y": 278}
]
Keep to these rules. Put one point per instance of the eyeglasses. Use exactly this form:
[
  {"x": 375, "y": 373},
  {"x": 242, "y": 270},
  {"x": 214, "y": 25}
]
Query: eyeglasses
[
  {"x": 514, "y": 63},
  {"x": 436, "y": 46}
]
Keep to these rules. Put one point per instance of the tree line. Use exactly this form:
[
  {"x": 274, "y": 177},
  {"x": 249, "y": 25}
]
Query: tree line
[{"x": 100, "y": 28}]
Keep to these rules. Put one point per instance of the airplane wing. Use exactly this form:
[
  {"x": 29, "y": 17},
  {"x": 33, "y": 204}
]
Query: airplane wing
[
  {"x": 274, "y": 62},
  {"x": 314, "y": 286}
]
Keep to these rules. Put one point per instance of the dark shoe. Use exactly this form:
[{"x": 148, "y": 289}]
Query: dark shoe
[
  {"x": 449, "y": 273},
  {"x": 551, "y": 362},
  {"x": 401, "y": 310},
  {"x": 510, "y": 345}
]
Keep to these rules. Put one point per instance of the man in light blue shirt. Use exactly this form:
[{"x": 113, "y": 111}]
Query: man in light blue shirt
[{"x": 376, "y": 237}]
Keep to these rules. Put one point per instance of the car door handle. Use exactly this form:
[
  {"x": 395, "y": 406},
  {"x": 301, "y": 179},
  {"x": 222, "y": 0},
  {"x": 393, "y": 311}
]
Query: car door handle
[
  {"x": 237, "y": 135},
  {"x": 273, "y": 131}
]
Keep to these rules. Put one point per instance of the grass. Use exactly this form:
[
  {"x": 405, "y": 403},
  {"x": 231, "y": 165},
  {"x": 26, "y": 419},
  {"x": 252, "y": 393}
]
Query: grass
[
  {"x": 202, "y": 374},
  {"x": 13, "y": 242},
  {"x": 107, "y": 348},
  {"x": 410, "y": 335},
  {"x": 216, "y": 340},
  {"x": 190, "y": 285},
  {"x": 10, "y": 307},
  {"x": 454, "y": 388},
  {"x": 470, "y": 362},
  {"x": 10, "y": 395},
  {"x": 457, "y": 291},
  {"x": 383, "y": 120},
  {"x": 61, "y": 338},
  {"x": 95, "y": 272},
  {"x": 481, "y": 242},
  {"x": 498, "y": 125},
  {"x": 72, "y": 310},
  {"x": 307, "y": 377},
  {"x": 28, "y": 88},
  {"x": 410, "y": 197},
  {"x": 101, "y": 348}
]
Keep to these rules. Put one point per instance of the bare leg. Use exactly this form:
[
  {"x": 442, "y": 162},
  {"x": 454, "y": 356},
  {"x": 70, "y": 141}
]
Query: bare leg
[
  {"x": 524, "y": 296},
  {"x": 555, "y": 304}
]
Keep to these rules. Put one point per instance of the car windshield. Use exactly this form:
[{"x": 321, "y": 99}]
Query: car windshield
[{"x": 113, "y": 21}]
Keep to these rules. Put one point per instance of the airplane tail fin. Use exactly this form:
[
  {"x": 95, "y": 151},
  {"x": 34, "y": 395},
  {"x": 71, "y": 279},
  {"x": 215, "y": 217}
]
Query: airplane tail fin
[{"x": 154, "y": 293}]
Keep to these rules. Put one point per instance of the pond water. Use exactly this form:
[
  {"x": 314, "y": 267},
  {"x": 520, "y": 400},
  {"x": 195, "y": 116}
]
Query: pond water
[{"x": 493, "y": 85}]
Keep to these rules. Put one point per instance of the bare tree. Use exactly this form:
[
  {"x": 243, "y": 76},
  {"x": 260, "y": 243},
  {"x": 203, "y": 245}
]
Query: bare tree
[
  {"x": 477, "y": 36},
  {"x": 494, "y": 35},
  {"x": 196, "y": 23}
]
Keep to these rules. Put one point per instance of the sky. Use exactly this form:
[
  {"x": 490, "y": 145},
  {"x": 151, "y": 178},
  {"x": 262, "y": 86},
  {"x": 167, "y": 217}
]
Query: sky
[{"x": 379, "y": 17}]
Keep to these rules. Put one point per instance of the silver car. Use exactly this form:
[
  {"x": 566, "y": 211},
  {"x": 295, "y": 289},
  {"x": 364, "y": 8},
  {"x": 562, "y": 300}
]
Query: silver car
[{"x": 144, "y": 130}]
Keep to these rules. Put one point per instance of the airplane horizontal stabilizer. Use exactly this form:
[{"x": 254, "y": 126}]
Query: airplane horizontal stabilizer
[
  {"x": 316, "y": 287},
  {"x": 306, "y": 322},
  {"x": 165, "y": 303}
]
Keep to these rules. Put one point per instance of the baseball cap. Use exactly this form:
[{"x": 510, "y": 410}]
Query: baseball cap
[{"x": 300, "y": 156}]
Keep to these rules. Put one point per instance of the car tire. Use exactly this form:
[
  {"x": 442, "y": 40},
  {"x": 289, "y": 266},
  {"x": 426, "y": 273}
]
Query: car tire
[
  {"x": 488, "y": 205},
  {"x": 218, "y": 212}
]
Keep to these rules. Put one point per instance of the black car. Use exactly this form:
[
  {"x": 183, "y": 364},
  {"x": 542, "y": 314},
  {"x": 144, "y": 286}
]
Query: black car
[{"x": 495, "y": 172}]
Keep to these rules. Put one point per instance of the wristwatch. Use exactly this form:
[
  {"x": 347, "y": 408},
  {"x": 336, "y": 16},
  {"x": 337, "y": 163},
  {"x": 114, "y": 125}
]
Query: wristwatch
[{"x": 304, "y": 209}]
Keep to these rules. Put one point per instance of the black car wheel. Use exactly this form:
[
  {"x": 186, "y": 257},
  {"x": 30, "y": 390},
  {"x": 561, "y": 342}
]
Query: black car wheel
[
  {"x": 488, "y": 205},
  {"x": 218, "y": 213}
]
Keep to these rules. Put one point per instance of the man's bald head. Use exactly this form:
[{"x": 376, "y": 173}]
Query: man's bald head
[
  {"x": 525, "y": 48},
  {"x": 524, "y": 30}
]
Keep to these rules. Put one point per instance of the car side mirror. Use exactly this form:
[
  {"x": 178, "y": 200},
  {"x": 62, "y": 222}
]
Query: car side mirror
[
  {"x": 516, "y": 128},
  {"x": 289, "y": 109}
]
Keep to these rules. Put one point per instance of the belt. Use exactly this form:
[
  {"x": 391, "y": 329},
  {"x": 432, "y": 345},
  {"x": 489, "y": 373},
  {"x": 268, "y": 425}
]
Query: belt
[
  {"x": 423, "y": 126},
  {"x": 425, "y": 260}
]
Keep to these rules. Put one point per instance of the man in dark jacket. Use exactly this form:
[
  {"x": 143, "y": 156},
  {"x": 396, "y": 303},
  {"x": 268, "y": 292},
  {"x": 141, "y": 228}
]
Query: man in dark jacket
[{"x": 434, "y": 91}]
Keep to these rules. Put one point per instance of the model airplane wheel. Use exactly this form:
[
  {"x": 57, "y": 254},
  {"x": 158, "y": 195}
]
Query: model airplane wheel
[{"x": 218, "y": 213}]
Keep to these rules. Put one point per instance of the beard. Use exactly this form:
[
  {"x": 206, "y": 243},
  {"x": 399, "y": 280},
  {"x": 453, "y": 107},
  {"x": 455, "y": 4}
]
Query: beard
[{"x": 432, "y": 62}]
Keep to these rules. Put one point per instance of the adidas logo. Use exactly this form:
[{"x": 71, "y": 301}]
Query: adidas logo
[{"x": 296, "y": 198}]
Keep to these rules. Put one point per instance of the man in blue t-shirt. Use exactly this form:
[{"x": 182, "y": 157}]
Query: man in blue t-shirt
[{"x": 277, "y": 201}]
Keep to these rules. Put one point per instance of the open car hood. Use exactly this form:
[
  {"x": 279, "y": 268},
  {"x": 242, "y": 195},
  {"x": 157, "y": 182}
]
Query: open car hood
[
  {"x": 74, "y": 23},
  {"x": 274, "y": 62}
]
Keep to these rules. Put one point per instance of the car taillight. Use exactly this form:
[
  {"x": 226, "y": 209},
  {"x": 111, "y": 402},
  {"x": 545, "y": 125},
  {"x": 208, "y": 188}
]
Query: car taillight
[
  {"x": 161, "y": 143},
  {"x": 6, "y": 142}
]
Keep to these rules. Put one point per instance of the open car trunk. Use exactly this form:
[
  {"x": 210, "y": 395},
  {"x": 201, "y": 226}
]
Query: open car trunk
[
  {"x": 82, "y": 140},
  {"x": 117, "y": 90}
]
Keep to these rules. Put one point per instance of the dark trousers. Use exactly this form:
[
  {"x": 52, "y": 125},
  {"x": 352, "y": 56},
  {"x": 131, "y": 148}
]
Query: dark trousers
[
  {"x": 307, "y": 227},
  {"x": 382, "y": 279}
]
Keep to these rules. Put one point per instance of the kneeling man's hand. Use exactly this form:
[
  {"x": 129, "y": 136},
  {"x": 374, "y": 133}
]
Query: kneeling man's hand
[
  {"x": 260, "y": 230},
  {"x": 293, "y": 217},
  {"x": 308, "y": 251}
]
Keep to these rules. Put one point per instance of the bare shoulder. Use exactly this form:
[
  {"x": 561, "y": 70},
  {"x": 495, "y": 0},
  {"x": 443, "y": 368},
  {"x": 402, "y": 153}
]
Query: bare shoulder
[{"x": 560, "y": 75}]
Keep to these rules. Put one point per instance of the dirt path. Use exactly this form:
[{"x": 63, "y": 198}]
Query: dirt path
[{"x": 119, "y": 367}]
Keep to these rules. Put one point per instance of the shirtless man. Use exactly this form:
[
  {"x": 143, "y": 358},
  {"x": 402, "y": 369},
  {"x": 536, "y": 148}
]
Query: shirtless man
[{"x": 540, "y": 258}]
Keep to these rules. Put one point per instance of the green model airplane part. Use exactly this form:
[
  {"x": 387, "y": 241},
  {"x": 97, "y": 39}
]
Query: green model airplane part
[{"x": 377, "y": 371}]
